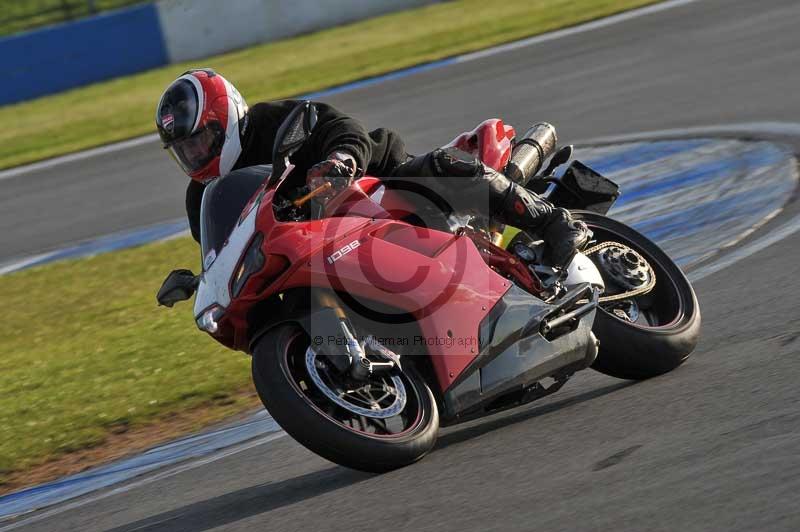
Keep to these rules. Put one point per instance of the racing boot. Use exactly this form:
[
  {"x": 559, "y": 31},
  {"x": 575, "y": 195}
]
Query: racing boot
[{"x": 515, "y": 205}]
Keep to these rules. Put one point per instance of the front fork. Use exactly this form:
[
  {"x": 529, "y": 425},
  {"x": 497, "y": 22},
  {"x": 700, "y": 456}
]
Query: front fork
[
  {"x": 362, "y": 367},
  {"x": 334, "y": 335}
]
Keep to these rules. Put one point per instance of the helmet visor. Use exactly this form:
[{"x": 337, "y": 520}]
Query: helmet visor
[{"x": 194, "y": 152}]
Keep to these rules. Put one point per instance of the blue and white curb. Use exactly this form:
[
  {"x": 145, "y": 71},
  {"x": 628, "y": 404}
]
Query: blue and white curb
[
  {"x": 113, "y": 242},
  {"x": 696, "y": 197},
  {"x": 180, "y": 451}
]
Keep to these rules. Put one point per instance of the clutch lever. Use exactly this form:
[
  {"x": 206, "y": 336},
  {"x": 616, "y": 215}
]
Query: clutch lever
[{"x": 299, "y": 202}]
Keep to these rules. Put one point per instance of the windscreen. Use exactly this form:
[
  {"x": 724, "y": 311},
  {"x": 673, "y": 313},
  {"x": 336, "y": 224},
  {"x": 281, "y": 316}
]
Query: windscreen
[{"x": 223, "y": 202}]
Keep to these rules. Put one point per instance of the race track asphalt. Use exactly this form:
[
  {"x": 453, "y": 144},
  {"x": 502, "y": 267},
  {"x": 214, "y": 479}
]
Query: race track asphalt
[{"x": 715, "y": 445}]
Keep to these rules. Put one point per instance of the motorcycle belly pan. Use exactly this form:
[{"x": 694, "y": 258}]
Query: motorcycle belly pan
[{"x": 511, "y": 359}]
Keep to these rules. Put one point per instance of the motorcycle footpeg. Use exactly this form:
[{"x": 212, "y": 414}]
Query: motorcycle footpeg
[
  {"x": 555, "y": 326},
  {"x": 563, "y": 312}
]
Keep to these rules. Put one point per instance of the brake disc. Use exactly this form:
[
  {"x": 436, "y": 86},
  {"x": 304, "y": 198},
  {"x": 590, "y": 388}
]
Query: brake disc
[{"x": 391, "y": 387}]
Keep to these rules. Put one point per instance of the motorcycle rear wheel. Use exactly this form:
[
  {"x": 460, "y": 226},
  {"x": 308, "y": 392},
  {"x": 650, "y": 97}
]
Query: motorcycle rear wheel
[
  {"x": 295, "y": 388},
  {"x": 666, "y": 333}
]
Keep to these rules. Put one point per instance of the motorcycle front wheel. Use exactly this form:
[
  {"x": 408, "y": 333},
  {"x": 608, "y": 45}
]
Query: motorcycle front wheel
[
  {"x": 651, "y": 334},
  {"x": 382, "y": 423}
]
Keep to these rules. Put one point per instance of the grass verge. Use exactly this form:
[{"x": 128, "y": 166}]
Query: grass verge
[
  {"x": 123, "y": 108},
  {"x": 16, "y": 16},
  {"x": 87, "y": 354}
]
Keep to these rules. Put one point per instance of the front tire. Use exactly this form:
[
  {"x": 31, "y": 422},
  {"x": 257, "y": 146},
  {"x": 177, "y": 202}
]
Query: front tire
[
  {"x": 666, "y": 333},
  {"x": 296, "y": 398}
]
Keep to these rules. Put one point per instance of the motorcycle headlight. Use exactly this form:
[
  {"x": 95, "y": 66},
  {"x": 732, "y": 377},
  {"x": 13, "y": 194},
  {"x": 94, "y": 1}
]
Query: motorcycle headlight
[
  {"x": 208, "y": 321},
  {"x": 252, "y": 262}
]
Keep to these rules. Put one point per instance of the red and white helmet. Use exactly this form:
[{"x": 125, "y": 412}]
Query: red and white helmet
[{"x": 201, "y": 118}]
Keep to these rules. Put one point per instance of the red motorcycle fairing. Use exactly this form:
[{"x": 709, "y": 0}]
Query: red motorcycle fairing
[
  {"x": 441, "y": 280},
  {"x": 438, "y": 278},
  {"x": 491, "y": 142},
  {"x": 289, "y": 244},
  {"x": 373, "y": 191}
]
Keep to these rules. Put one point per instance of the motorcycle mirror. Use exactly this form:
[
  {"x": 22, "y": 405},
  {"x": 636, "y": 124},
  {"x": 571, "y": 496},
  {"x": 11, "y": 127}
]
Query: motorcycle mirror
[
  {"x": 179, "y": 285},
  {"x": 560, "y": 157},
  {"x": 294, "y": 130}
]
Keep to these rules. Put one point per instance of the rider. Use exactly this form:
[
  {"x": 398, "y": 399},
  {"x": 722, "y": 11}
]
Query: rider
[{"x": 207, "y": 127}]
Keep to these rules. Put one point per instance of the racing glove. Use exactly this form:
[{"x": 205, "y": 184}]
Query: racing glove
[{"x": 338, "y": 169}]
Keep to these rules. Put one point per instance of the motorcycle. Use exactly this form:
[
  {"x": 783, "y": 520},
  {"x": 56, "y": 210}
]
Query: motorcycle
[{"x": 370, "y": 327}]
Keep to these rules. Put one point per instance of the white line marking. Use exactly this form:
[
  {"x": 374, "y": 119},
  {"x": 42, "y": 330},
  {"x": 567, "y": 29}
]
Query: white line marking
[
  {"x": 746, "y": 129},
  {"x": 764, "y": 242},
  {"x": 41, "y": 259},
  {"x": 768, "y": 218},
  {"x": 18, "y": 264},
  {"x": 77, "y": 156},
  {"x": 574, "y": 30},
  {"x": 147, "y": 480}
]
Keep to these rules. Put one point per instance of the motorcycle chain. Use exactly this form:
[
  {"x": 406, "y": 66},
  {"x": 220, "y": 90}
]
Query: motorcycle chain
[{"x": 625, "y": 295}]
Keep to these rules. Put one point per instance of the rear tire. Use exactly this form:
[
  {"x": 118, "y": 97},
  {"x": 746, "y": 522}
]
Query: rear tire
[
  {"x": 279, "y": 381},
  {"x": 643, "y": 350}
]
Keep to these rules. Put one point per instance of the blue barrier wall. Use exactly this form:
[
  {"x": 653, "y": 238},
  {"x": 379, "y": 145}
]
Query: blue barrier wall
[{"x": 69, "y": 55}]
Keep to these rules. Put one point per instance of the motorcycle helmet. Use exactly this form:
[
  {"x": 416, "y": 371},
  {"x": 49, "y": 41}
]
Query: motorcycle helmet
[{"x": 201, "y": 118}]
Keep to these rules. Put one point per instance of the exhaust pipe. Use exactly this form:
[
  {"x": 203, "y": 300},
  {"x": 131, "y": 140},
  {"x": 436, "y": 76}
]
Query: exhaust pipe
[{"x": 536, "y": 145}]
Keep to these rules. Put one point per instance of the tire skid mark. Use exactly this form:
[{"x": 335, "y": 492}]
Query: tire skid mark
[{"x": 615, "y": 458}]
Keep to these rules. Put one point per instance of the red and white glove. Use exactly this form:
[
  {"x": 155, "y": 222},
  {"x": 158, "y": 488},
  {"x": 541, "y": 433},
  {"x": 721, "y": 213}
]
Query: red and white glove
[{"x": 338, "y": 169}]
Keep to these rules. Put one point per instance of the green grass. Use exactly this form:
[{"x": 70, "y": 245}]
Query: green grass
[
  {"x": 123, "y": 108},
  {"x": 85, "y": 349},
  {"x": 17, "y": 15}
]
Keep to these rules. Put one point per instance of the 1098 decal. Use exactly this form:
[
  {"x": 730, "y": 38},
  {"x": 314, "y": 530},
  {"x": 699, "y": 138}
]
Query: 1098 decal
[{"x": 341, "y": 252}]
